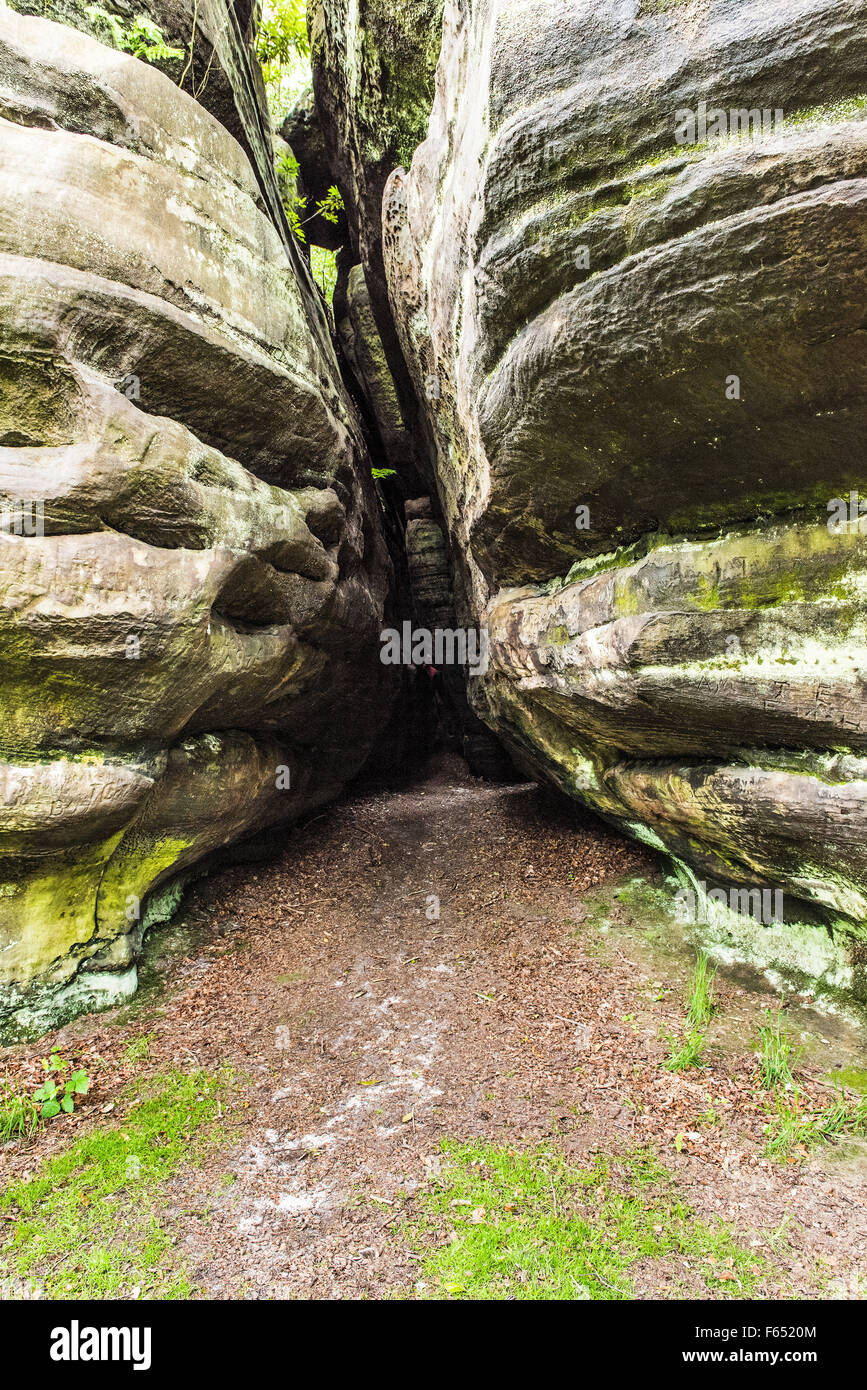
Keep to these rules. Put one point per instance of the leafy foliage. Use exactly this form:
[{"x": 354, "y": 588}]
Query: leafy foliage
[
  {"x": 293, "y": 202},
  {"x": 282, "y": 37},
  {"x": 332, "y": 205},
  {"x": 58, "y": 1096},
  {"x": 144, "y": 39},
  {"x": 322, "y": 261},
  {"x": 283, "y": 49},
  {"x": 21, "y": 1115}
]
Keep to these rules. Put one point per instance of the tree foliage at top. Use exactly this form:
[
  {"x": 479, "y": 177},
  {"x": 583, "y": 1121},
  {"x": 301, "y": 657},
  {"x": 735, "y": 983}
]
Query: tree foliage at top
[{"x": 283, "y": 49}]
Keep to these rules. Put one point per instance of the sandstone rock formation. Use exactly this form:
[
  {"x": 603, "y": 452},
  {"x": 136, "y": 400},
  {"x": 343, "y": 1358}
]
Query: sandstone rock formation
[
  {"x": 209, "y": 44},
  {"x": 641, "y": 363},
  {"x": 373, "y": 80},
  {"x": 601, "y": 296},
  {"x": 193, "y": 574}
]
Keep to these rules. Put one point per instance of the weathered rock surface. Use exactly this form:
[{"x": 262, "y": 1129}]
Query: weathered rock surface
[
  {"x": 212, "y": 58},
  {"x": 373, "y": 81},
  {"x": 193, "y": 576},
  {"x": 671, "y": 336}
]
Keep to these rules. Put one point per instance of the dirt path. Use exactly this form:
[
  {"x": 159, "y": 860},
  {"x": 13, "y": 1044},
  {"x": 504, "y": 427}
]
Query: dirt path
[{"x": 422, "y": 965}]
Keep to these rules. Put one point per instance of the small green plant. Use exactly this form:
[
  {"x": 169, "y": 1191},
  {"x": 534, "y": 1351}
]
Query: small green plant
[
  {"x": 332, "y": 205},
  {"x": 58, "y": 1096},
  {"x": 382, "y": 472},
  {"x": 143, "y": 39},
  {"x": 701, "y": 995},
  {"x": 777, "y": 1053},
  {"x": 686, "y": 1052},
  {"x": 294, "y": 203},
  {"x": 708, "y": 1117},
  {"x": 19, "y": 1116}
]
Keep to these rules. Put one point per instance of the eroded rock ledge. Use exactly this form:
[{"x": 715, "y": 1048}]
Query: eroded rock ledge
[{"x": 190, "y": 613}]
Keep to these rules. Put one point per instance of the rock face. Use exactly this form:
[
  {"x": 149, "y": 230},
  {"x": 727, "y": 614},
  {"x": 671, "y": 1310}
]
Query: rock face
[
  {"x": 627, "y": 272},
  {"x": 373, "y": 80},
  {"x": 193, "y": 576},
  {"x": 209, "y": 53}
]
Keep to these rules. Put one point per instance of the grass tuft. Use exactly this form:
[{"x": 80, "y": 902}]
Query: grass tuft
[
  {"x": 686, "y": 1052},
  {"x": 795, "y": 1127},
  {"x": 701, "y": 993},
  {"x": 20, "y": 1117},
  {"x": 777, "y": 1055}
]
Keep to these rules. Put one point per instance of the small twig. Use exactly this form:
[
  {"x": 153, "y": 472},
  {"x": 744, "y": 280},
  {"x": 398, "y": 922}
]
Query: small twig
[
  {"x": 597, "y": 1275},
  {"x": 554, "y": 1197},
  {"x": 192, "y": 45}
]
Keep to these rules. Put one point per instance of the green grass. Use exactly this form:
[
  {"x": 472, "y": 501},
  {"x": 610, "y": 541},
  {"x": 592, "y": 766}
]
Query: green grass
[
  {"x": 686, "y": 1052},
  {"x": 137, "y": 1049},
  {"x": 777, "y": 1053},
  {"x": 796, "y": 1123},
  {"x": 793, "y": 1126},
  {"x": 529, "y": 1225},
  {"x": 701, "y": 993},
  {"x": 19, "y": 1115},
  {"x": 88, "y": 1222}
]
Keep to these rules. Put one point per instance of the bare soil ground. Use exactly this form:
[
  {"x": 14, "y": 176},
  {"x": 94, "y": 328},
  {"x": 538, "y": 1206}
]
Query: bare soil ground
[{"x": 422, "y": 964}]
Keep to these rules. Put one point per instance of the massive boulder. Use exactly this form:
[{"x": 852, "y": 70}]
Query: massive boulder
[
  {"x": 627, "y": 270},
  {"x": 193, "y": 576}
]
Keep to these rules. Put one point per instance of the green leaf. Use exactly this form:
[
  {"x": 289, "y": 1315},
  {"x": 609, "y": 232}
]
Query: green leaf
[
  {"x": 331, "y": 206},
  {"x": 50, "y": 1108},
  {"x": 67, "y": 1104},
  {"x": 79, "y": 1082}
]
